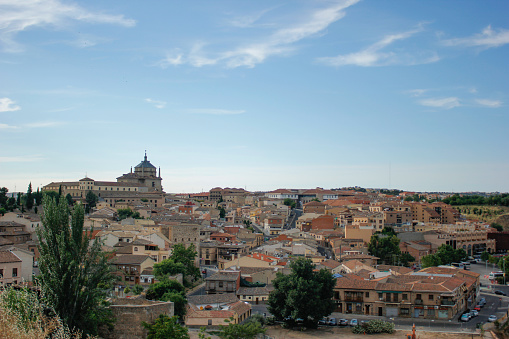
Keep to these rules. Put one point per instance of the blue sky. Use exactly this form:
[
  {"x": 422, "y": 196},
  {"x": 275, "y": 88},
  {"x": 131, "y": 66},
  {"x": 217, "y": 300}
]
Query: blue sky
[{"x": 257, "y": 94}]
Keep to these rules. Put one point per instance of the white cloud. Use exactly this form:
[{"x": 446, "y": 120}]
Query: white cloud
[
  {"x": 488, "y": 38},
  {"x": 156, "y": 103},
  {"x": 277, "y": 43},
  {"x": 446, "y": 103},
  {"x": 5, "y": 126},
  {"x": 215, "y": 111},
  {"x": 7, "y": 105},
  {"x": 489, "y": 103},
  {"x": 17, "y": 16},
  {"x": 21, "y": 158},
  {"x": 246, "y": 21},
  {"x": 374, "y": 56},
  {"x": 44, "y": 124},
  {"x": 416, "y": 92}
]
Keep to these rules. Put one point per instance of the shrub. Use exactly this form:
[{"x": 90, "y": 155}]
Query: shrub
[{"x": 374, "y": 327}]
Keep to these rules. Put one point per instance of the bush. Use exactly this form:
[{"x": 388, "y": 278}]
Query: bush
[
  {"x": 137, "y": 289},
  {"x": 374, "y": 327}
]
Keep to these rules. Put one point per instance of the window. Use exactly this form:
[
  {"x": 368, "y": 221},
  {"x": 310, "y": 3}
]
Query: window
[
  {"x": 220, "y": 284},
  {"x": 136, "y": 249},
  {"x": 14, "y": 272},
  {"x": 430, "y": 297},
  {"x": 404, "y": 311},
  {"x": 405, "y": 296},
  {"x": 210, "y": 322},
  {"x": 1, "y": 272},
  {"x": 431, "y": 312},
  {"x": 367, "y": 294}
]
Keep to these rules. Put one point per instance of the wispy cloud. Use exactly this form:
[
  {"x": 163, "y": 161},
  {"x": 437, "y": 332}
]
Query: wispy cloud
[
  {"x": 489, "y": 103},
  {"x": 488, "y": 38},
  {"x": 7, "y": 105},
  {"x": 446, "y": 103},
  {"x": 17, "y": 16},
  {"x": 416, "y": 92},
  {"x": 376, "y": 54},
  {"x": 214, "y": 111},
  {"x": 249, "y": 20},
  {"x": 5, "y": 126},
  {"x": 28, "y": 158},
  {"x": 156, "y": 103},
  {"x": 44, "y": 124},
  {"x": 278, "y": 42}
]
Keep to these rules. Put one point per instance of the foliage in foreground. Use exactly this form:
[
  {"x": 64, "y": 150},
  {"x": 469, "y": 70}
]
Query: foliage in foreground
[
  {"x": 23, "y": 316},
  {"x": 248, "y": 330},
  {"x": 374, "y": 327},
  {"x": 72, "y": 271},
  {"x": 165, "y": 327}
]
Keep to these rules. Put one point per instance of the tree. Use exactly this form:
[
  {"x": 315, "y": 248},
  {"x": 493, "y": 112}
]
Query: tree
[
  {"x": 222, "y": 212},
  {"x": 485, "y": 256},
  {"x": 498, "y": 227},
  {"x": 290, "y": 202},
  {"x": 38, "y": 197},
  {"x": 72, "y": 271},
  {"x": 91, "y": 200},
  {"x": 385, "y": 247},
  {"x": 186, "y": 256},
  {"x": 430, "y": 260},
  {"x": 179, "y": 302},
  {"x": 3, "y": 196},
  {"x": 303, "y": 293},
  {"x": 124, "y": 213},
  {"x": 29, "y": 198},
  {"x": 165, "y": 327},
  {"x": 248, "y": 330},
  {"x": 69, "y": 199},
  {"x": 157, "y": 290}
]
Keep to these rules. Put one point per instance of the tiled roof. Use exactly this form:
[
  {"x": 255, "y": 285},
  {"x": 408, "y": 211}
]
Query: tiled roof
[
  {"x": 224, "y": 276},
  {"x": 8, "y": 257},
  {"x": 130, "y": 259},
  {"x": 255, "y": 290},
  {"x": 212, "y": 298},
  {"x": 348, "y": 282}
]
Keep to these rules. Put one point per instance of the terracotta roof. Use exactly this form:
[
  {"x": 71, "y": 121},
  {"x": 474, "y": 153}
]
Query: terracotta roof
[
  {"x": 8, "y": 257},
  {"x": 330, "y": 263},
  {"x": 212, "y": 298},
  {"x": 358, "y": 284}
]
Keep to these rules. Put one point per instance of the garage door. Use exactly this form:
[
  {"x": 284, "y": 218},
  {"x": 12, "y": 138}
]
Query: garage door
[{"x": 391, "y": 311}]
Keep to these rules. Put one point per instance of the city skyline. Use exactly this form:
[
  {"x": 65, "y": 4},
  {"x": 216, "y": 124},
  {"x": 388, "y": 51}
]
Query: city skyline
[{"x": 264, "y": 95}]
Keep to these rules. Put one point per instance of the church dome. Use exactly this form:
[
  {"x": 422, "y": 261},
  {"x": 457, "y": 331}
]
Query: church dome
[{"x": 145, "y": 163}]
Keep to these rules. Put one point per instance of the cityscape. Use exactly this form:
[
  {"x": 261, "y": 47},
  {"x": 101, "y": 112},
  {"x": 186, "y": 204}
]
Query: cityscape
[{"x": 254, "y": 169}]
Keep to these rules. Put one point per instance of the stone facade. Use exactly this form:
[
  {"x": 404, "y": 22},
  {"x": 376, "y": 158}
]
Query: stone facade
[{"x": 130, "y": 313}]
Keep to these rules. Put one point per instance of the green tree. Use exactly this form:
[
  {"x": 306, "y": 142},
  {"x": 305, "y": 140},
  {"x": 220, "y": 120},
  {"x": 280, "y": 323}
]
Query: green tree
[
  {"x": 385, "y": 247},
  {"x": 248, "y": 330},
  {"x": 69, "y": 199},
  {"x": 157, "y": 290},
  {"x": 186, "y": 256},
  {"x": 405, "y": 259},
  {"x": 179, "y": 302},
  {"x": 91, "y": 200},
  {"x": 303, "y": 293},
  {"x": 222, "y": 212},
  {"x": 498, "y": 227},
  {"x": 71, "y": 269},
  {"x": 485, "y": 256},
  {"x": 290, "y": 202},
  {"x": 29, "y": 198},
  {"x": 124, "y": 213},
  {"x": 165, "y": 327},
  {"x": 430, "y": 260},
  {"x": 38, "y": 197},
  {"x": 3, "y": 197}
]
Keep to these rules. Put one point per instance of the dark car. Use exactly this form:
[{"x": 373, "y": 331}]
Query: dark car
[
  {"x": 322, "y": 321},
  {"x": 500, "y": 292}
]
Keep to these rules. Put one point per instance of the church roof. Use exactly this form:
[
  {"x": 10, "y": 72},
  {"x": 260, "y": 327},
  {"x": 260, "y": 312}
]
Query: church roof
[{"x": 145, "y": 163}]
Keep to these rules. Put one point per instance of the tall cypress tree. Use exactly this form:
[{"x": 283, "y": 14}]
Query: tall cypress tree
[
  {"x": 29, "y": 200},
  {"x": 72, "y": 272}
]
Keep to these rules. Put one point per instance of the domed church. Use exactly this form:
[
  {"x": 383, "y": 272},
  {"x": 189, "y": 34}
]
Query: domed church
[{"x": 145, "y": 174}]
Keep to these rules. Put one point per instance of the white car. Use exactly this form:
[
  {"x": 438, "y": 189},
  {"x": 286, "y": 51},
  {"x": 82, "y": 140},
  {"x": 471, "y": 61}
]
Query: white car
[{"x": 492, "y": 318}]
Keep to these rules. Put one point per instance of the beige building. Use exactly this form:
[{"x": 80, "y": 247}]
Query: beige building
[{"x": 10, "y": 268}]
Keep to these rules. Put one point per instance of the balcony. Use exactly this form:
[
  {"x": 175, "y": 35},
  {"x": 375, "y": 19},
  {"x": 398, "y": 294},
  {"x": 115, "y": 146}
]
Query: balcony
[
  {"x": 418, "y": 301},
  {"x": 446, "y": 302},
  {"x": 354, "y": 299}
]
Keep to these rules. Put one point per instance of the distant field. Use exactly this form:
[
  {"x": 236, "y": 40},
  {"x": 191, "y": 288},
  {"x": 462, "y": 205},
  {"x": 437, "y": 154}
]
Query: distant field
[{"x": 484, "y": 213}]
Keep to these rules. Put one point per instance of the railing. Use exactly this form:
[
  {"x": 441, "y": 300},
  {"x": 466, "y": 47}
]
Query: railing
[
  {"x": 418, "y": 301},
  {"x": 354, "y": 299},
  {"x": 447, "y": 302}
]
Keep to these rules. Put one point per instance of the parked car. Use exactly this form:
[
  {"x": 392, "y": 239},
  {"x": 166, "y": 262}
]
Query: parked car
[
  {"x": 322, "y": 321},
  {"x": 492, "y": 318},
  {"x": 474, "y": 313},
  {"x": 353, "y": 322},
  {"x": 343, "y": 322},
  {"x": 477, "y": 308},
  {"x": 332, "y": 322},
  {"x": 500, "y": 292},
  {"x": 465, "y": 317}
]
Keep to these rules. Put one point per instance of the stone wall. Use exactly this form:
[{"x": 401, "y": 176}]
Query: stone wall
[{"x": 131, "y": 312}]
